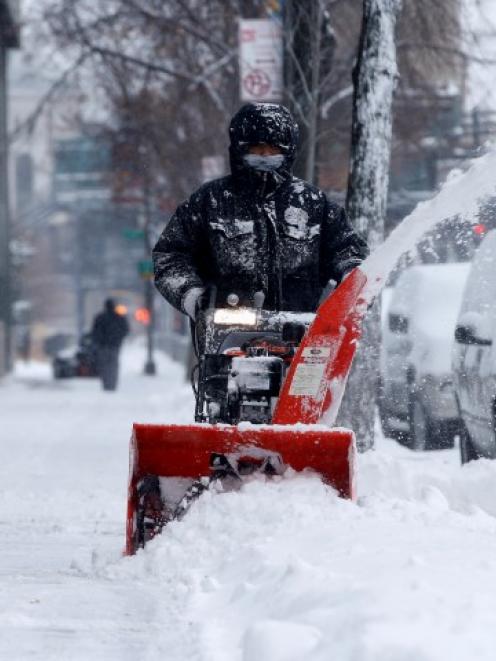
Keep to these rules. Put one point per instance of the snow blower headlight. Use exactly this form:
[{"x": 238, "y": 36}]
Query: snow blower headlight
[{"x": 241, "y": 317}]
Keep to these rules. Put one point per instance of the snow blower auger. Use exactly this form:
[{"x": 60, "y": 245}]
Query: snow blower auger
[{"x": 268, "y": 389}]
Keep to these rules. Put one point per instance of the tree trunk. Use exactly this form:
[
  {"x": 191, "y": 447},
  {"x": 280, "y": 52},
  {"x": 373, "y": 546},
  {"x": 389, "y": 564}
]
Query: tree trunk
[{"x": 374, "y": 79}]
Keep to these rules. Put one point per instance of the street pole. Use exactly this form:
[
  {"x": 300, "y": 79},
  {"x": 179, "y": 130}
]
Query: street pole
[
  {"x": 78, "y": 275},
  {"x": 150, "y": 367},
  {"x": 5, "y": 257}
]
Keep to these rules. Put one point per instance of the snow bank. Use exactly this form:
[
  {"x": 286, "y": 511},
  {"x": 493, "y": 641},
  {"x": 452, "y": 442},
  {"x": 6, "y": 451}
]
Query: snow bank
[
  {"x": 284, "y": 570},
  {"x": 441, "y": 483}
]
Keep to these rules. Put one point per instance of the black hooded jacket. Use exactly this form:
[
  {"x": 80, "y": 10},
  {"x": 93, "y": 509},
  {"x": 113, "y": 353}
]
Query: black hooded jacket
[{"x": 253, "y": 230}]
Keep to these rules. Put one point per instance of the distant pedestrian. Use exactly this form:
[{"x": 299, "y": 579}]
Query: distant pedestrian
[{"x": 109, "y": 330}]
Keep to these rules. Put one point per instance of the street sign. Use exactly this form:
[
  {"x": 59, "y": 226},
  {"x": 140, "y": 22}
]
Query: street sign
[
  {"x": 261, "y": 59},
  {"x": 145, "y": 269},
  {"x": 132, "y": 233}
]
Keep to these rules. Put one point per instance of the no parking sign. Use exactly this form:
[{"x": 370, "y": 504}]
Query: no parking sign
[{"x": 260, "y": 60}]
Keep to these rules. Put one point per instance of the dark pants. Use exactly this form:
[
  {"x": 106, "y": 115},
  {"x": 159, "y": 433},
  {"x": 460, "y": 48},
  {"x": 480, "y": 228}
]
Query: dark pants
[{"x": 108, "y": 366}]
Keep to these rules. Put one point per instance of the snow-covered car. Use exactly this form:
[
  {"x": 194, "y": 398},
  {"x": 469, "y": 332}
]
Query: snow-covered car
[
  {"x": 474, "y": 356},
  {"x": 417, "y": 401},
  {"x": 76, "y": 360}
]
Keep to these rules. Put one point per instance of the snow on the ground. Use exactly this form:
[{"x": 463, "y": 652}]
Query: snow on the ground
[
  {"x": 280, "y": 571},
  {"x": 63, "y": 484}
]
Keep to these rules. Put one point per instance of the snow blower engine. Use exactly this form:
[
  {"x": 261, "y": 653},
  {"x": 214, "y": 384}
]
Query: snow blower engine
[{"x": 244, "y": 353}]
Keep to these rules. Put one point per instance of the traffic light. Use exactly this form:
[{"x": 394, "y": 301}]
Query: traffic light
[
  {"x": 480, "y": 229},
  {"x": 142, "y": 316}
]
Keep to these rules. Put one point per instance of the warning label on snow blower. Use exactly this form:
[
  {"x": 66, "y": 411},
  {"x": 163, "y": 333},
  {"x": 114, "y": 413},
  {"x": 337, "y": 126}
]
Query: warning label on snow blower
[{"x": 310, "y": 372}]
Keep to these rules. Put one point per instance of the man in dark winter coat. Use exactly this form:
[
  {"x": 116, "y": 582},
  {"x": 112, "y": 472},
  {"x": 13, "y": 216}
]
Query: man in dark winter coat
[
  {"x": 109, "y": 330},
  {"x": 258, "y": 229}
]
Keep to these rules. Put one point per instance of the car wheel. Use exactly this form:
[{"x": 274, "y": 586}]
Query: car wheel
[
  {"x": 420, "y": 426},
  {"x": 390, "y": 431},
  {"x": 467, "y": 449},
  {"x": 442, "y": 434}
]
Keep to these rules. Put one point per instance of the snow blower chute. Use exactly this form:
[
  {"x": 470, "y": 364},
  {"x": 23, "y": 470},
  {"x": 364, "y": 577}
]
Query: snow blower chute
[{"x": 269, "y": 386}]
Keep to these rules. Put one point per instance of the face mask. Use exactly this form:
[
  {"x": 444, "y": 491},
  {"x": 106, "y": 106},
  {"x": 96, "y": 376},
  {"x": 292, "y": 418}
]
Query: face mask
[{"x": 264, "y": 163}]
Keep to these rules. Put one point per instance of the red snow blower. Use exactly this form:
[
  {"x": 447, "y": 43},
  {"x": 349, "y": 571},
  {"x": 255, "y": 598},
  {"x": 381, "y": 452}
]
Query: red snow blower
[{"x": 268, "y": 388}]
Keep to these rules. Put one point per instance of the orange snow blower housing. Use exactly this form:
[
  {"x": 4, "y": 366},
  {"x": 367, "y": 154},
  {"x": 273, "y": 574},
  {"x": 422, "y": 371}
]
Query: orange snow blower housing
[{"x": 299, "y": 433}]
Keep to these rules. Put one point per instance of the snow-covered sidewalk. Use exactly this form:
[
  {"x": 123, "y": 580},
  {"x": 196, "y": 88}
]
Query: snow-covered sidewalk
[{"x": 281, "y": 571}]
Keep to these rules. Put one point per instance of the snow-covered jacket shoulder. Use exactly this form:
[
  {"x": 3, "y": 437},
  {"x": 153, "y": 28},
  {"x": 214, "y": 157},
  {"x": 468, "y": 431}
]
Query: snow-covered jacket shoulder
[
  {"x": 180, "y": 257},
  {"x": 288, "y": 243}
]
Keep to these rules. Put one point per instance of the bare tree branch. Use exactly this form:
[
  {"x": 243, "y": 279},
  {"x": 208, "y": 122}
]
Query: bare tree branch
[{"x": 27, "y": 126}]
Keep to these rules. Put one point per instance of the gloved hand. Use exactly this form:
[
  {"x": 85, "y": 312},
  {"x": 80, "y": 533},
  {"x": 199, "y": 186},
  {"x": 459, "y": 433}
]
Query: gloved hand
[
  {"x": 190, "y": 300},
  {"x": 346, "y": 274}
]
